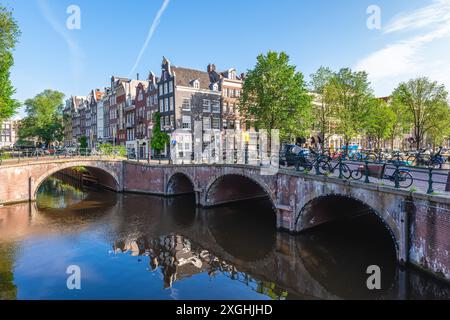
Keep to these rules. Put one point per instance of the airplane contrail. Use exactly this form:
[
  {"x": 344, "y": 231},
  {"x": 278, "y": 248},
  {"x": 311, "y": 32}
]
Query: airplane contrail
[{"x": 150, "y": 35}]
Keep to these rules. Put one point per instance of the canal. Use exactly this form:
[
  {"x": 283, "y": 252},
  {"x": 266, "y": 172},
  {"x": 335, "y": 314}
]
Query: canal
[{"x": 143, "y": 247}]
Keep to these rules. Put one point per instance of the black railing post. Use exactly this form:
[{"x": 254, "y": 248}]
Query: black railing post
[
  {"x": 430, "y": 181},
  {"x": 367, "y": 172},
  {"x": 317, "y": 167},
  {"x": 341, "y": 176},
  {"x": 397, "y": 176}
]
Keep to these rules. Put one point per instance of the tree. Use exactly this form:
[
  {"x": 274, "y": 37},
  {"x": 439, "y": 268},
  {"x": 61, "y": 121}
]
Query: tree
[
  {"x": 402, "y": 123},
  {"x": 440, "y": 130},
  {"x": 159, "y": 138},
  {"x": 274, "y": 96},
  {"x": 426, "y": 102},
  {"x": 323, "y": 112},
  {"x": 9, "y": 34},
  {"x": 379, "y": 121},
  {"x": 349, "y": 93},
  {"x": 44, "y": 117}
]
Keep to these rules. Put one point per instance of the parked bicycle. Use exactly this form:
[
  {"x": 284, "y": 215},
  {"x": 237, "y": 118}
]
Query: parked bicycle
[{"x": 401, "y": 176}]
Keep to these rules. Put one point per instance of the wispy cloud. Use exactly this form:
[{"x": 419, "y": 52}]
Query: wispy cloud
[
  {"x": 409, "y": 57},
  {"x": 76, "y": 53},
  {"x": 152, "y": 30}
]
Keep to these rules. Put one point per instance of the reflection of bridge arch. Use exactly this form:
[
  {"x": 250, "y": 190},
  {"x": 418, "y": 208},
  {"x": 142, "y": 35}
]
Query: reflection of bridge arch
[{"x": 324, "y": 209}]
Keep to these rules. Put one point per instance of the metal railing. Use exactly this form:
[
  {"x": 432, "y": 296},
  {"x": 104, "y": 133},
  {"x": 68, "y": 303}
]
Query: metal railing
[{"x": 396, "y": 174}]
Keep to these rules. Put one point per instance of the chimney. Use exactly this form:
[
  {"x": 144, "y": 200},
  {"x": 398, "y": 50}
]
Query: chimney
[{"x": 137, "y": 76}]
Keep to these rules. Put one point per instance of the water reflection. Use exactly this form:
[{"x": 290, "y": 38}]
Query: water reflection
[{"x": 142, "y": 247}]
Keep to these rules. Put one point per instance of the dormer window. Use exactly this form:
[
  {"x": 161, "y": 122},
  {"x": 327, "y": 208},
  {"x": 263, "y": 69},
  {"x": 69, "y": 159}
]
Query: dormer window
[
  {"x": 233, "y": 75},
  {"x": 215, "y": 87},
  {"x": 196, "y": 84}
]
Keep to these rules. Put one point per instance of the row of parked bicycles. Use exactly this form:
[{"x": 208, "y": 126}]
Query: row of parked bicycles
[
  {"x": 422, "y": 158},
  {"x": 360, "y": 164}
]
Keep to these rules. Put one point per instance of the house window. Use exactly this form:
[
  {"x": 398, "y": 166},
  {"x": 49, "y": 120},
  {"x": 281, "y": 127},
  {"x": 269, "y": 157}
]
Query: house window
[
  {"x": 186, "y": 104},
  {"x": 216, "y": 123},
  {"x": 172, "y": 120},
  {"x": 216, "y": 107},
  {"x": 166, "y": 89},
  {"x": 206, "y": 123},
  {"x": 186, "y": 122},
  {"x": 161, "y": 105},
  {"x": 161, "y": 90},
  {"x": 170, "y": 86},
  {"x": 167, "y": 104},
  {"x": 206, "y": 105},
  {"x": 167, "y": 121}
]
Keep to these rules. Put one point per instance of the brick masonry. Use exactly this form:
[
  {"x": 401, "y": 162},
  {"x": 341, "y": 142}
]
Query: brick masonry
[{"x": 419, "y": 223}]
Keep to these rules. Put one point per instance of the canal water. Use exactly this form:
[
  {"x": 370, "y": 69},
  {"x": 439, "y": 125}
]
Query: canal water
[{"x": 144, "y": 247}]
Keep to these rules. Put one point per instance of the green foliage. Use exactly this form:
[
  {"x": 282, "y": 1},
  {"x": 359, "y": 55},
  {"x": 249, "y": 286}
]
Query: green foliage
[
  {"x": 379, "y": 120},
  {"x": 9, "y": 34},
  {"x": 349, "y": 93},
  {"x": 275, "y": 96},
  {"x": 426, "y": 103},
  {"x": 83, "y": 143},
  {"x": 159, "y": 139},
  {"x": 322, "y": 113},
  {"x": 108, "y": 149},
  {"x": 44, "y": 117}
]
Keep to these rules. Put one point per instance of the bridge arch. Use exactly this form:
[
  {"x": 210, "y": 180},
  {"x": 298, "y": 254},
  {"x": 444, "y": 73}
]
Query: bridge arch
[
  {"x": 234, "y": 187},
  {"x": 323, "y": 209},
  {"x": 180, "y": 183},
  {"x": 107, "y": 177}
]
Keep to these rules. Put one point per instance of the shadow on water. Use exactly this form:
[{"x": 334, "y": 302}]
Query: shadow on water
[
  {"x": 338, "y": 254},
  {"x": 246, "y": 230}
]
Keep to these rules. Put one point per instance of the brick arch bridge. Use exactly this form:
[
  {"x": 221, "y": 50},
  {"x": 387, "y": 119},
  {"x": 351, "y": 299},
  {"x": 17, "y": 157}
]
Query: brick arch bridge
[{"x": 419, "y": 223}]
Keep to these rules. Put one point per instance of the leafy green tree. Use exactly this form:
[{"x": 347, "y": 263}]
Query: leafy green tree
[
  {"x": 379, "y": 121},
  {"x": 402, "y": 123},
  {"x": 323, "y": 111},
  {"x": 44, "y": 117},
  {"x": 9, "y": 34},
  {"x": 427, "y": 104},
  {"x": 275, "y": 96},
  {"x": 159, "y": 139},
  {"x": 350, "y": 94}
]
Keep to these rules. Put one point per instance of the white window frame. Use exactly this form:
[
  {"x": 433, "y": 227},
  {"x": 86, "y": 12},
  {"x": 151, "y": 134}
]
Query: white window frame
[
  {"x": 189, "y": 103},
  {"x": 207, "y": 104}
]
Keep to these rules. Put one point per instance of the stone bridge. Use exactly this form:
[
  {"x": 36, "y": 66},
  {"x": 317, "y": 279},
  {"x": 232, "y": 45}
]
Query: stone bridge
[{"x": 419, "y": 223}]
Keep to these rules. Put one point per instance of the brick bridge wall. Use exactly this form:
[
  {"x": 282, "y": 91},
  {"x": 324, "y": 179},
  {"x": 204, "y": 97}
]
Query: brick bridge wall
[{"x": 419, "y": 223}]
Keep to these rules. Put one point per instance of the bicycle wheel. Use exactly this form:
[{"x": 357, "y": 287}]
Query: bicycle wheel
[
  {"x": 357, "y": 174},
  {"x": 324, "y": 167},
  {"x": 346, "y": 171},
  {"x": 372, "y": 157},
  {"x": 405, "y": 179}
]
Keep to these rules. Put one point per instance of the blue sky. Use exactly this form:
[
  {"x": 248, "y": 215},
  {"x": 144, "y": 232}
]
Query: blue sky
[{"x": 413, "y": 39}]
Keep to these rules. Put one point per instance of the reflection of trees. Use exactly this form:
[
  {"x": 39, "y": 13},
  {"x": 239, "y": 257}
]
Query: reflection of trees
[
  {"x": 178, "y": 258},
  {"x": 8, "y": 290}
]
